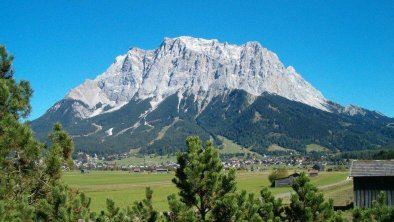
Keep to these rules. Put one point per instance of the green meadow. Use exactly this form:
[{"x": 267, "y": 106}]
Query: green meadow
[
  {"x": 125, "y": 188},
  {"x": 316, "y": 148}
]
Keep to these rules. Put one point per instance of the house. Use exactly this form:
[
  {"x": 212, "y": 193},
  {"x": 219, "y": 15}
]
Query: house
[
  {"x": 318, "y": 167},
  {"x": 136, "y": 170},
  {"x": 285, "y": 181},
  {"x": 313, "y": 173},
  {"x": 161, "y": 170},
  {"x": 370, "y": 177}
]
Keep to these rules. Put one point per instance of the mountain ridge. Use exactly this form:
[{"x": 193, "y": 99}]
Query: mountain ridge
[
  {"x": 202, "y": 67},
  {"x": 152, "y": 100}
]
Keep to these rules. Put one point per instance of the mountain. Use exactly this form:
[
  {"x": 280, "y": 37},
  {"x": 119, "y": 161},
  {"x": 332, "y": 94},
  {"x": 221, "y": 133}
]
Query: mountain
[
  {"x": 153, "y": 99},
  {"x": 199, "y": 67}
]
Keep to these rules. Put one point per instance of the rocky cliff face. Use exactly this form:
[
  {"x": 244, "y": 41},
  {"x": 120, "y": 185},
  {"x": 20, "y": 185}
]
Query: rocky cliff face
[{"x": 192, "y": 66}]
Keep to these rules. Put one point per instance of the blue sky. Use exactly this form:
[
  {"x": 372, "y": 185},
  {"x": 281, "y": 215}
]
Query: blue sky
[{"x": 343, "y": 48}]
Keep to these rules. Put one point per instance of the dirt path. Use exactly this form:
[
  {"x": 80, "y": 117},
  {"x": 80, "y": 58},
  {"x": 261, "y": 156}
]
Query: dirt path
[
  {"x": 287, "y": 195},
  {"x": 98, "y": 129}
]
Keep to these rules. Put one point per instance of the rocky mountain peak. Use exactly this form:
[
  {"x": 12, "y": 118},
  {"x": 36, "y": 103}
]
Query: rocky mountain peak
[{"x": 192, "y": 66}]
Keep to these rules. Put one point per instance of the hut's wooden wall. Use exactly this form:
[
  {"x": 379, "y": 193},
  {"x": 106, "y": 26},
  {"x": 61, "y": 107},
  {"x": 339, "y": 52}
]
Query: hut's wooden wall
[
  {"x": 367, "y": 189},
  {"x": 284, "y": 182}
]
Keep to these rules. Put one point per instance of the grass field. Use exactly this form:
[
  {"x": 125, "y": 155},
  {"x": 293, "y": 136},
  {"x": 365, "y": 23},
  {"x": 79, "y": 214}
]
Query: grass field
[
  {"x": 125, "y": 188},
  {"x": 277, "y": 148},
  {"x": 229, "y": 147},
  {"x": 342, "y": 194},
  {"x": 316, "y": 148}
]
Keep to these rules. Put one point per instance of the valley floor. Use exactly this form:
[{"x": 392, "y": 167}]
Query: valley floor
[{"x": 125, "y": 188}]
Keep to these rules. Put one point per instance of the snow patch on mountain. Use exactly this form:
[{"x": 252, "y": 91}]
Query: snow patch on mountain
[
  {"x": 109, "y": 132},
  {"x": 192, "y": 66}
]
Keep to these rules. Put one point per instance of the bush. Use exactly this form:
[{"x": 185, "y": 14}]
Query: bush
[{"x": 277, "y": 173}]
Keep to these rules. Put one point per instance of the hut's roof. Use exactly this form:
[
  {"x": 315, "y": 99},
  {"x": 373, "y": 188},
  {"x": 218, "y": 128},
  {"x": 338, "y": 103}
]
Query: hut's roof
[
  {"x": 291, "y": 175},
  {"x": 372, "y": 168}
]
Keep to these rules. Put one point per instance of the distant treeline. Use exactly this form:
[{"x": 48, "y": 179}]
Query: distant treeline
[{"x": 384, "y": 153}]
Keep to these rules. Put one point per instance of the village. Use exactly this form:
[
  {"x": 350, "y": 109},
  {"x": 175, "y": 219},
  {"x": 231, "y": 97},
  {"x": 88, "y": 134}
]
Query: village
[{"x": 88, "y": 162}]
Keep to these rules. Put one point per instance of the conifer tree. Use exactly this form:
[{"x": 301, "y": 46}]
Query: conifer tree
[
  {"x": 5, "y": 63},
  {"x": 271, "y": 208},
  {"x": 143, "y": 211},
  {"x": 19, "y": 151},
  {"x": 179, "y": 211},
  {"x": 200, "y": 178},
  {"x": 65, "y": 142},
  {"x": 307, "y": 204},
  {"x": 30, "y": 186},
  {"x": 379, "y": 211}
]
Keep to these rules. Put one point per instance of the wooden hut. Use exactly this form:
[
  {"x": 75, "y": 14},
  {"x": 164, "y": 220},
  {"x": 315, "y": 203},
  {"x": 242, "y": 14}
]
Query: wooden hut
[
  {"x": 161, "y": 170},
  {"x": 318, "y": 167},
  {"x": 136, "y": 170},
  {"x": 313, "y": 173},
  {"x": 370, "y": 177},
  {"x": 286, "y": 181}
]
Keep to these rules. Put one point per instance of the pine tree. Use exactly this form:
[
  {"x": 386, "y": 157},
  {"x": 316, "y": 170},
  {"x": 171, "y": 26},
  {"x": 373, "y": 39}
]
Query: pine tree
[
  {"x": 379, "y": 211},
  {"x": 237, "y": 207},
  {"x": 200, "y": 178},
  {"x": 143, "y": 211},
  {"x": 5, "y": 63},
  {"x": 30, "y": 186},
  {"x": 19, "y": 151},
  {"x": 271, "y": 208},
  {"x": 179, "y": 211},
  {"x": 63, "y": 140},
  {"x": 307, "y": 204}
]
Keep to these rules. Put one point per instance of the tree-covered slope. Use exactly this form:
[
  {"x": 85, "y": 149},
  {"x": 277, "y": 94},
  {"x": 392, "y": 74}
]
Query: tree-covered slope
[
  {"x": 255, "y": 122},
  {"x": 273, "y": 119}
]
